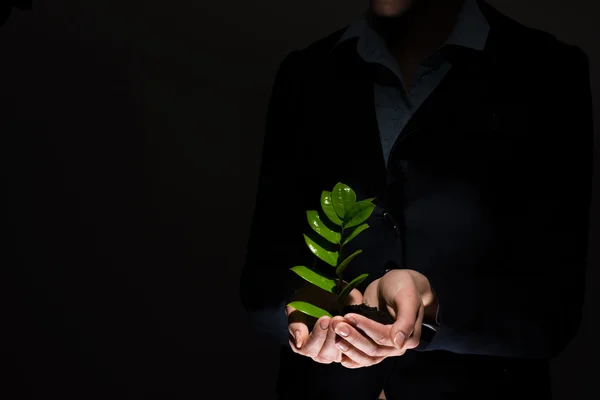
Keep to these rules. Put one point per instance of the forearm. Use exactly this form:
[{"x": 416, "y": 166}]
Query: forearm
[
  {"x": 274, "y": 246},
  {"x": 270, "y": 323},
  {"x": 501, "y": 317},
  {"x": 529, "y": 304},
  {"x": 275, "y": 242}
]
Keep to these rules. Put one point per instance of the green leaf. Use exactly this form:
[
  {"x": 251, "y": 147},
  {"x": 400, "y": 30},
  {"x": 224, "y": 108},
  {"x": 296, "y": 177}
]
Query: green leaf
[
  {"x": 354, "y": 283},
  {"x": 309, "y": 309},
  {"x": 358, "y": 214},
  {"x": 330, "y": 257},
  {"x": 340, "y": 268},
  {"x": 355, "y": 233},
  {"x": 316, "y": 279},
  {"x": 343, "y": 198},
  {"x": 327, "y": 206},
  {"x": 318, "y": 226}
]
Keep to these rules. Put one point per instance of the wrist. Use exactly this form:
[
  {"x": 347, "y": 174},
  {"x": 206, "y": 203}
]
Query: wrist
[
  {"x": 431, "y": 311},
  {"x": 428, "y": 297}
]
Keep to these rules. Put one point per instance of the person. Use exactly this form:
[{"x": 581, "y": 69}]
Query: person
[
  {"x": 473, "y": 133},
  {"x": 7, "y": 6}
]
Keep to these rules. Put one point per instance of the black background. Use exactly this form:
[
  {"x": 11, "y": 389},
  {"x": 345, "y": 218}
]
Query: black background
[{"x": 131, "y": 135}]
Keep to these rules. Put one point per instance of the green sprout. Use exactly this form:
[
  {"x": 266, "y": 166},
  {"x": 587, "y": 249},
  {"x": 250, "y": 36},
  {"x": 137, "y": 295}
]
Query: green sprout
[{"x": 347, "y": 217}]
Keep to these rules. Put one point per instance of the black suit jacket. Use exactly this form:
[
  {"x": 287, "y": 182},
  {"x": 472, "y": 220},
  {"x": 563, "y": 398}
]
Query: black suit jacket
[{"x": 490, "y": 184}]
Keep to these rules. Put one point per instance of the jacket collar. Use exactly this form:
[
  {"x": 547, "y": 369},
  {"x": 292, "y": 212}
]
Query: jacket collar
[{"x": 470, "y": 31}]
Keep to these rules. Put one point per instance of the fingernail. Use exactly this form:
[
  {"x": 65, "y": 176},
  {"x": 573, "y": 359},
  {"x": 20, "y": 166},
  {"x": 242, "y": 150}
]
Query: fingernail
[
  {"x": 352, "y": 321},
  {"x": 324, "y": 324},
  {"x": 342, "y": 346},
  {"x": 399, "y": 339},
  {"x": 297, "y": 337},
  {"x": 342, "y": 331}
]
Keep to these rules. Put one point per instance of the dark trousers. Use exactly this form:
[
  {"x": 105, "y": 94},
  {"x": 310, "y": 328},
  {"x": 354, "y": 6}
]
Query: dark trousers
[{"x": 434, "y": 375}]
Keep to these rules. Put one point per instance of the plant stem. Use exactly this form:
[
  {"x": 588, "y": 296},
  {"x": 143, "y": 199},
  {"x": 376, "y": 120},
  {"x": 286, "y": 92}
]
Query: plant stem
[{"x": 340, "y": 248}]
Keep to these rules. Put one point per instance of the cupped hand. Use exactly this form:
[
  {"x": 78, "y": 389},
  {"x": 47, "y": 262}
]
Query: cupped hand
[
  {"x": 316, "y": 338},
  {"x": 408, "y": 297}
]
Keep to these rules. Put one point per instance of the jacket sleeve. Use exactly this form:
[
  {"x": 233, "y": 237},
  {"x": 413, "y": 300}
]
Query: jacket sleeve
[
  {"x": 532, "y": 308},
  {"x": 275, "y": 242}
]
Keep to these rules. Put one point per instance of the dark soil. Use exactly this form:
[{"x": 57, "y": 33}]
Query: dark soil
[{"x": 377, "y": 315}]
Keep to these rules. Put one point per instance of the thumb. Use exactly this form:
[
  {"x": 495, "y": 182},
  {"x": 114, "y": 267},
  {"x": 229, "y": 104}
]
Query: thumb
[
  {"x": 407, "y": 304},
  {"x": 297, "y": 325},
  {"x": 354, "y": 297}
]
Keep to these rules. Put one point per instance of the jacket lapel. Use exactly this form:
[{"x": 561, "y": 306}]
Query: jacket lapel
[
  {"x": 463, "y": 85},
  {"x": 358, "y": 134}
]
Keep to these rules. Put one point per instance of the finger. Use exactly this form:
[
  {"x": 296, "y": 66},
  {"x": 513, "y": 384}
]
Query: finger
[
  {"x": 406, "y": 303},
  {"x": 414, "y": 339},
  {"x": 371, "y": 295},
  {"x": 297, "y": 326},
  {"x": 330, "y": 352},
  {"x": 360, "y": 342},
  {"x": 378, "y": 333},
  {"x": 317, "y": 337},
  {"x": 355, "y": 354},
  {"x": 292, "y": 343},
  {"x": 349, "y": 363},
  {"x": 354, "y": 297}
]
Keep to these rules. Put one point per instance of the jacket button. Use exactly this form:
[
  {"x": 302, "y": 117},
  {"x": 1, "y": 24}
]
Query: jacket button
[{"x": 390, "y": 222}]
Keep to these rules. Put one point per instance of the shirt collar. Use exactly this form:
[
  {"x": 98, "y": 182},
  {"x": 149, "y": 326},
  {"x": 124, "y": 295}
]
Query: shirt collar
[{"x": 470, "y": 30}]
